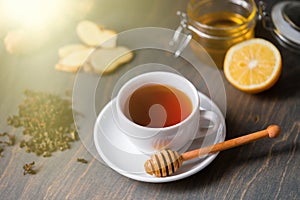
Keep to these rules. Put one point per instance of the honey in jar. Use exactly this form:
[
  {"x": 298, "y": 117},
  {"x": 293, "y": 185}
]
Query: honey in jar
[{"x": 219, "y": 24}]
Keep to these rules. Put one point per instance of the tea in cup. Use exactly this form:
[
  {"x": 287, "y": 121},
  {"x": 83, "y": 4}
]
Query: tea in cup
[{"x": 161, "y": 110}]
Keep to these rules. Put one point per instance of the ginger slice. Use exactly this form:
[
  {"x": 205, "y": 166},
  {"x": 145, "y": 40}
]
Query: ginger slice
[
  {"x": 21, "y": 41},
  {"x": 109, "y": 39},
  {"x": 73, "y": 61},
  {"x": 70, "y": 48},
  {"x": 92, "y": 35},
  {"x": 72, "y": 69},
  {"x": 107, "y": 60}
]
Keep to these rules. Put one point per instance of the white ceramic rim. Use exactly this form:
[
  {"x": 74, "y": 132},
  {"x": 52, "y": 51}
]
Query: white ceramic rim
[
  {"x": 155, "y": 130},
  {"x": 152, "y": 179}
]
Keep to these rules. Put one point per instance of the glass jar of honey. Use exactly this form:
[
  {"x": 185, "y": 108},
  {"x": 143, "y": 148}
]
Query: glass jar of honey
[{"x": 219, "y": 24}]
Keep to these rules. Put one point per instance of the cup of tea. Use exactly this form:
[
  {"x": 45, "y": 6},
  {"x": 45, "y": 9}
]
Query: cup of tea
[{"x": 161, "y": 110}]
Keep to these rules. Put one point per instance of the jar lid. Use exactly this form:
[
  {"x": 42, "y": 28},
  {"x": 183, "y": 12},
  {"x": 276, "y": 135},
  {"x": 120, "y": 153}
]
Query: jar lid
[{"x": 286, "y": 19}]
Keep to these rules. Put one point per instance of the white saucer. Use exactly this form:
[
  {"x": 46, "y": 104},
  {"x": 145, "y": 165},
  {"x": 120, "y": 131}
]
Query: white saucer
[{"x": 120, "y": 155}]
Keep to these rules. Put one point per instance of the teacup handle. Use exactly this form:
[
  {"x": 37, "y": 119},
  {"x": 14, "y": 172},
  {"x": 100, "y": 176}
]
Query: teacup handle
[{"x": 209, "y": 123}]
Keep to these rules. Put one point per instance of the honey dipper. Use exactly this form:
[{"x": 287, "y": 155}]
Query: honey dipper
[{"x": 167, "y": 162}]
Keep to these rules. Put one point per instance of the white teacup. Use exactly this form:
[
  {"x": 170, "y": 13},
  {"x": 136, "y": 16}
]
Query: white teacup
[{"x": 176, "y": 137}]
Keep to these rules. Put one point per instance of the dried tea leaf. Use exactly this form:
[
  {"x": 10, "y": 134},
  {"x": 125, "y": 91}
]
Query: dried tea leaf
[
  {"x": 107, "y": 60},
  {"x": 47, "y": 123},
  {"x": 82, "y": 160},
  {"x": 6, "y": 140},
  {"x": 11, "y": 140},
  {"x": 1, "y": 150},
  {"x": 3, "y": 134},
  {"x": 28, "y": 168}
]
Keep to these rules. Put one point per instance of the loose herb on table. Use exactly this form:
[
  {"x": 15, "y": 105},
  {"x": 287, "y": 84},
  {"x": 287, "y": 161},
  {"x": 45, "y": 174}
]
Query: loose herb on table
[
  {"x": 10, "y": 141},
  {"x": 28, "y": 168},
  {"x": 82, "y": 160},
  {"x": 47, "y": 123},
  {"x": 1, "y": 150}
]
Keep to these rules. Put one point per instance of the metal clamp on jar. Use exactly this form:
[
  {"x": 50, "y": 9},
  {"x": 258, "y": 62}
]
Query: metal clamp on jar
[{"x": 284, "y": 22}]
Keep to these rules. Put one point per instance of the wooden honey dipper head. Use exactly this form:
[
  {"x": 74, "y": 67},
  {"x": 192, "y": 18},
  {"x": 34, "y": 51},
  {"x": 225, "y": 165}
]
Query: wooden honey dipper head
[
  {"x": 273, "y": 131},
  {"x": 167, "y": 162},
  {"x": 163, "y": 163}
]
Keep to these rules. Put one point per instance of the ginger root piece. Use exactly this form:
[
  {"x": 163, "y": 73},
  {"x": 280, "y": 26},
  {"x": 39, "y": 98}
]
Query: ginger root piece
[
  {"x": 106, "y": 60},
  {"x": 92, "y": 35},
  {"x": 73, "y": 61},
  {"x": 70, "y": 48}
]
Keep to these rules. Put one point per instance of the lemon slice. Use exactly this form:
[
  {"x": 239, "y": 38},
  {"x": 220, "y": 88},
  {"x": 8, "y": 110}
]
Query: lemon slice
[{"x": 253, "y": 65}]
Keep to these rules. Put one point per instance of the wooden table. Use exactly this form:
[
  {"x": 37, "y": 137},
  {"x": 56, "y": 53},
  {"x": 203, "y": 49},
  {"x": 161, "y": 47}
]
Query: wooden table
[{"x": 266, "y": 169}]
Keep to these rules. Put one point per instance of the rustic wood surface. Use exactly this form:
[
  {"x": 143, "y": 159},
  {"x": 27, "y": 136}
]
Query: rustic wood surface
[{"x": 265, "y": 169}]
